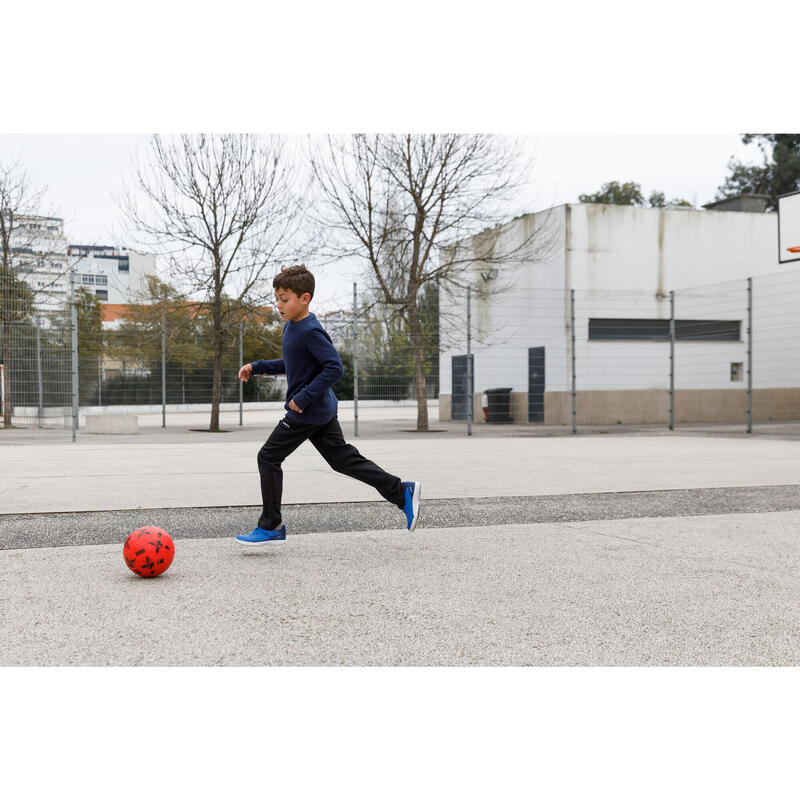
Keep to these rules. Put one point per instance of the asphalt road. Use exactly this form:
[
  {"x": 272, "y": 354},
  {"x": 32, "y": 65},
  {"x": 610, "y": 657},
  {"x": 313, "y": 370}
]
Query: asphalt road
[{"x": 72, "y": 528}]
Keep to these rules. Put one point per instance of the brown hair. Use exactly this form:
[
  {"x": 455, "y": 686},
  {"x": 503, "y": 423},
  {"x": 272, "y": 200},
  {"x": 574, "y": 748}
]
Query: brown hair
[{"x": 297, "y": 278}]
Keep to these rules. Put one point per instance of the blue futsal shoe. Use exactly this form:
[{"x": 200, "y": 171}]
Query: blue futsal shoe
[
  {"x": 411, "y": 508},
  {"x": 260, "y": 536}
]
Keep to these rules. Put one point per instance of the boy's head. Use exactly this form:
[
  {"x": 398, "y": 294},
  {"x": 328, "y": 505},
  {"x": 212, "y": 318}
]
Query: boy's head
[{"x": 294, "y": 288}]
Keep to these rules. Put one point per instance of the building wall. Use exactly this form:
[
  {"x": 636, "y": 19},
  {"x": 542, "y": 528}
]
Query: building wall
[
  {"x": 623, "y": 262},
  {"x": 523, "y": 306},
  {"x": 658, "y": 250},
  {"x": 123, "y": 272},
  {"x": 41, "y": 259}
]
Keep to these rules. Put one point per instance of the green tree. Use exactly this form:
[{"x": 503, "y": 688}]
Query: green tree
[
  {"x": 19, "y": 251},
  {"x": 629, "y": 194},
  {"x": 189, "y": 338},
  {"x": 137, "y": 340},
  {"x": 778, "y": 174},
  {"x": 90, "y": 338},
  {"x": 387, "y": 365}
]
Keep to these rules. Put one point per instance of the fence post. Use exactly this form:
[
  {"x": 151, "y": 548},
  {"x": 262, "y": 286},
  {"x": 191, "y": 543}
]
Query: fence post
[
  {"x": 672, "y": 361},
  {"x": 73, "y": 302},
  {"x": 749, "y": 355},
  {"x": 40, "y": 411},
  {"x": 355, "y": 359},
  {"x": 163, "y": 369},
  {"x": 241, "y": 361},
  {"x": 470, "y": 398},
  {"x": 572, "y": 334}
]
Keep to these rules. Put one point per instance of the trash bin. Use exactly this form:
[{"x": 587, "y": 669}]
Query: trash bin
[{"x": 499, "y": 403}]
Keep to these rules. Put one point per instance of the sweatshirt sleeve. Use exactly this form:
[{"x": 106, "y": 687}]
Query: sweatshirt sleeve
[
  {"x": 263, "y": 367},
  {"x": 322, "y": 349}
]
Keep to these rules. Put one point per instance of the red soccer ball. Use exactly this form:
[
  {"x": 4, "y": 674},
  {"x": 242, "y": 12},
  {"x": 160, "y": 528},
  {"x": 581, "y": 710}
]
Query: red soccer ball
[{"x": 148, "y": 551}]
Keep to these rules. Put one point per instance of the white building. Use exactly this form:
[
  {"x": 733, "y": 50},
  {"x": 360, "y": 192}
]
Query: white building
[
  {"x": 117, "y": 276},
  {"x": 39, "y": 258},
  {"x": 42, "y": 258},
  {"x": 622, "y": 263}
]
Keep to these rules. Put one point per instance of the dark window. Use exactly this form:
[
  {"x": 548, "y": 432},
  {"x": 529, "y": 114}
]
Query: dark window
[
  {"x": 102, "y": 294},
  {"x": 657, "y": 330},
  {"x": 708, "y": 330}
]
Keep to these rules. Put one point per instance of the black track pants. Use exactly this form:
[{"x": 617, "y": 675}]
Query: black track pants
[{"x": 329, "y": 441}]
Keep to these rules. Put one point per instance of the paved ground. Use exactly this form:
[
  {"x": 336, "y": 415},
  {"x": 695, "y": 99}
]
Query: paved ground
[
  {"x": 19, "y": 531},
  {"x": 181, "y": 472},
  {"x": 680, "y": 591},
  {"x": 634, "y": 549}
]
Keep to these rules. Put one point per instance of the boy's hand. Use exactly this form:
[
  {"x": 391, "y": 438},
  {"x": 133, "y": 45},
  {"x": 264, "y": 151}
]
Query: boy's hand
[
  {"x": 244, "y": 372},
  {"x": 294, "y": 407}
]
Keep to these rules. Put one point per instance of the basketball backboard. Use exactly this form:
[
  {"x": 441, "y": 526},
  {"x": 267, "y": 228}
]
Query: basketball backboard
[{"x": 789, "y": 227}]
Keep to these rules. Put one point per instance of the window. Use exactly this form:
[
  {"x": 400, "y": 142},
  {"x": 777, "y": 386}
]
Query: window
[
  {"x": 736, "y": 371},
  {"x": 657, "y": 330},
  {"x": 87, "y": 279},
  {"x": 101, "y": 280},
  {"x": 102, "y": 294}
]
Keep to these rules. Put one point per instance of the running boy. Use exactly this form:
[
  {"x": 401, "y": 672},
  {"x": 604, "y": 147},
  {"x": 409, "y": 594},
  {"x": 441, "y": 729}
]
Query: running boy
[{"x": 312, "y": 366}]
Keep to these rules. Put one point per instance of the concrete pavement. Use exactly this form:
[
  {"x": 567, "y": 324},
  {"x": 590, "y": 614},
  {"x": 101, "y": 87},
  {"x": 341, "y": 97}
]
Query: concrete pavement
[
  {"x": 589, "y": 550},
  {"x": 683, "y": 591},
  {"x": 184, "y": 473}
]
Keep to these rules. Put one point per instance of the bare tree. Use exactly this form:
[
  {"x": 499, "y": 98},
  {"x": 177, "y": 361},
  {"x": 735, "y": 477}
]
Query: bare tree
[
  {"x": 220, "y": 208},
  {"x": 395, "y": 201},
  {"x": 25, "y": 250}
]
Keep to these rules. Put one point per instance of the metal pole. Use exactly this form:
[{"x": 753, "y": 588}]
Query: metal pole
[
  {"x": 163, "y": 369},
  {"x": 39, "y": 371},
  {"x": 355, "y": 359},
  {"x": 241, "y": 361},
  {"x": 749, "y": 355},
  {"x": 572, "y": 335},
  {"x": 74, "y": 321},
  {"x": 470, "y": 398},
  {"x": 672, "y": 361}
]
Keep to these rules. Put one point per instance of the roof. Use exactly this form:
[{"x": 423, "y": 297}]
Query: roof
[{"x": 112, "y": 311}]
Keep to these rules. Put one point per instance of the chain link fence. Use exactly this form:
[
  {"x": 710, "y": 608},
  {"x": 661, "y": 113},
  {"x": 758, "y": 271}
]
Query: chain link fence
[
  {"x": 723, "y": 357},
  {"x": 36, "y": 370}
]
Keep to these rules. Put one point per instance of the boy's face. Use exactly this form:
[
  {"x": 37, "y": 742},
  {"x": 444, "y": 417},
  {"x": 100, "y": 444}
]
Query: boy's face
[{"x": 290, "y": 306}]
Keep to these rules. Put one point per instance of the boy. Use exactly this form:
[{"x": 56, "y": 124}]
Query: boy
[{"x": 312, "y": 366}]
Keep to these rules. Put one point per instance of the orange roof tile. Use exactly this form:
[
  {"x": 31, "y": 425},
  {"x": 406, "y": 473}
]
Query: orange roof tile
[{"x": 112, "y": 311}]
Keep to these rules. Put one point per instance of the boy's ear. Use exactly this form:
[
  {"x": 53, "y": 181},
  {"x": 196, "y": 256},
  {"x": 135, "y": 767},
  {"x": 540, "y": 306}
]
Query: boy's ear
[{"x": 304, "y": 296}]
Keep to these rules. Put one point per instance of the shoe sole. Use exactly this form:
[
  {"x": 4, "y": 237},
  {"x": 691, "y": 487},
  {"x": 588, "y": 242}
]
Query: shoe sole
[
  {"x": 415, "y": 506},
  {"x": 259, "y": 544}
]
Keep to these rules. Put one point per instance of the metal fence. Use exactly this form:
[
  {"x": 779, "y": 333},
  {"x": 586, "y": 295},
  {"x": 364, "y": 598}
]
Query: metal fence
[
  {"x": 36, "y": 373},
  {"x": 719, "y": 357}
]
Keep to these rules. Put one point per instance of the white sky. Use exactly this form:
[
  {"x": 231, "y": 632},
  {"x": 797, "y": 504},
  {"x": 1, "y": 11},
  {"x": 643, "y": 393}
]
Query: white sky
[
  {"x": 83, "y": 172},
  {"x": 604, "y": 91}
]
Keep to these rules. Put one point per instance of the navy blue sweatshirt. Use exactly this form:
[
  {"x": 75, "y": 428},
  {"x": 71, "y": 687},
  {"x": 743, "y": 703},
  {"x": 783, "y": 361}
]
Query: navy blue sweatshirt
[{"x": 312, "y": 366}]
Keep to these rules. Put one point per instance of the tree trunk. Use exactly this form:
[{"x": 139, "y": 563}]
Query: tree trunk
[
  {"x": 419, "y": 368},
  {"x": 6, "y": 358},
  {"x": 216, "y": 381}
]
